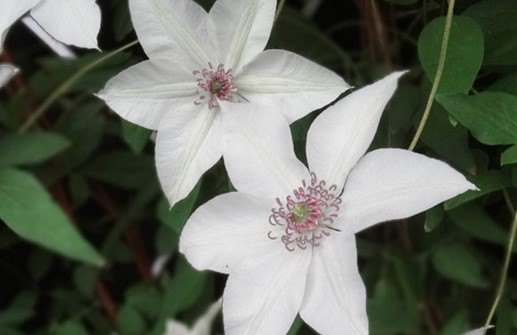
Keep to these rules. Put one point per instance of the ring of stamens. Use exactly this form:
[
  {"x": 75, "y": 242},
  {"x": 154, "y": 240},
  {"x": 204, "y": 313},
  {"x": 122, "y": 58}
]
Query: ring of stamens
[
  {"x": 306, "y": 216},
  {"x": 216, "y": 83}
]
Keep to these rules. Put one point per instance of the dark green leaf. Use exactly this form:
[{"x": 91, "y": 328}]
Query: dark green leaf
[
  {"x": 450, "y": 143},
  {"x": 292, "y": 31},
  {"x": 30, "y": 148},
  {"x": 507, "y": 84},
  {"x": 509, "y": 156},
  {"x": 28, "y": 209},
  {"x": 464, "y": 53},
  {"x": 130, "y": 321},
  {"x": 490, "y": 116},
  {"x": 433, "y": 217},
  {"x": 20, "y": 310},
  {"x": 487, "y": 182},
  {"x": 403, "y": 2},
  {"x": 296, "y": 326},
  {"x": 177, "y": 216},
  {"x": 122, "y": 169},
  {"x": 497, "y": 20},
  {"x": 459, "y": 264},
  {"x": 71, "y": 328},
  {"x": 135, "y": 136},
  {"x": 457, "y": 325},
  {"x": 388, "y": 316}
]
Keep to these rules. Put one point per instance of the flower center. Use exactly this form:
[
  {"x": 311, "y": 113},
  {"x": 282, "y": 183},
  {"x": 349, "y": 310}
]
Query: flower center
[
  {"x": 216, "y": 84},
  {"x": 306, "y": 216}
]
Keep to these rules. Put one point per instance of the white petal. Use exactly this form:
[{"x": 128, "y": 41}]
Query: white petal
[
  {"x": 12, "y": 10},
  {"x": 61, "y": 49},
  {"x": 264, "y": 295},
  {"x": 259, "y": 154},
  {"x": 204, "y": 324},
  {"x": 6, "y": 73},
  {"x": 335, "y": 297},
  {"x": 479, "y": 331},
  {"x": 226, "y": 230},
  {"x": 174, "y": 327},
  {"x": 341, "y": 134},
  {"x": 390, "y": 184},
  {"x": 75, "y": 22},
  {"x": 241, "y": 29},
  {"x": 173, "y": 30},
  {"x": 146, "y": 92},
  {"x": 188, "y": 143},
  {"x": 293, "y": 84}
]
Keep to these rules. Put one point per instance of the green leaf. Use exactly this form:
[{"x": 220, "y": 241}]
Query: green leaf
[
  {"x": 296, "y": 326},
  {"x": 130, "y": 321},
  {"x": 450, "y": 143},
  {"x": 123, "y": 169},
  {"x": 177, "y": 216},
  {"x": 487, "y": 182},
  {"x": 497, "y": 20},
  {"x": 403, "y": 2},
  {"x": 459, "y": 264},
  {"x": 135, "y": 136},
  {"x": 389, "y": 316},
  {"x": 507, "y": 84},
  {"x": 30, "y": 148},
  {"x": 20, "y": 310},
  {"x": 292, "y": 31},
  {"x": 509, "y": 156},
  {"x": 433, "y": 217},
  {"x": 491, "y": 117},
  {"x": 476, "y": 222},
  {"x": 28, "y": 209},
  {"x": 464, "y": 53},
  {"x": 71, "y": 328},
  {"x": 458, "y": 324}
]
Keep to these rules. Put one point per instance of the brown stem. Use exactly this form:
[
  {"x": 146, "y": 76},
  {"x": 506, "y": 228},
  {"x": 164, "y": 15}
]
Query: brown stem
[{"x": 104, "y": 294}]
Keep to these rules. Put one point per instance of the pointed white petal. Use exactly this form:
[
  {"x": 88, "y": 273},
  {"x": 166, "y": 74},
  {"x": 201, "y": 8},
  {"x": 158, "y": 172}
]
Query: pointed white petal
[
  {"x": 390, "y": 184},
  {"x": 174, "y": 327},
  {"x": 174, "y": 30},
  {"x": 263, "y": 295},
  {"x": 226, "y": 230},
  {"x": 61, "y": 49},
  {"x": 204, "y": 324},
  {"x": 341, "y": 134},
  {"x": 294, "y": 85},
  {"x": 259, "y": 154},
  {"x": 335, "y": 296},
  {"x": 479, "y": 331},
  {"x": 6, "y": 73},
  {"x": 241, "y": 29},
  {"x": 188, "y": 143},
  {"x": 146, "y": 92},
  {"x": 75, "y": 22},
  {"x": 12, "y": 10}
]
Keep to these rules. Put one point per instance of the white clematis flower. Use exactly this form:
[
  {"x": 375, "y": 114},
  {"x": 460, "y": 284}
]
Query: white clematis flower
[
  {"x": 198, "y": 60},
  {"x": 74, "y": 22},
  {"x": 202, "y": 326},
  {"x": 479, "y": 331},
  {"x": 287, "y": 237}
]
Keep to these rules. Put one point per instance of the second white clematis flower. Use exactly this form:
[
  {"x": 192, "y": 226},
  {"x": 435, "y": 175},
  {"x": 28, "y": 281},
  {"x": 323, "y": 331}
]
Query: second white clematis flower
[
  {"x": 197, "y": 60},
  {"x": 287, "y": 237}
]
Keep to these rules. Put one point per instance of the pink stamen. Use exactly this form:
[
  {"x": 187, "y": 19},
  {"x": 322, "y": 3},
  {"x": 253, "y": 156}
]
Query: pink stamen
[
  {"x": 307, "y": 216},
  {"x": 218, "y": 83}
]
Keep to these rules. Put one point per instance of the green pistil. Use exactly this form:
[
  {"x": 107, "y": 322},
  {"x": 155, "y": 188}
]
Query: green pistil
[
  {"x": 216, "y": 87},
  {"x": 300, "y": 212}
]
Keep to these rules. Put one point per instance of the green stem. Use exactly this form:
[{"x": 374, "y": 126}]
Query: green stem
[
  {"x": 279, "y": 9},
  {"x": 504, "y": 272},
  {"x": 66, "y": 85},
  {"x": 437, "y": 77}
]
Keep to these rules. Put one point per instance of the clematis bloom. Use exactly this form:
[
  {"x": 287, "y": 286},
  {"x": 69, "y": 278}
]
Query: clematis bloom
[
  {"x": 197, "y": 61},
  {"x": 202, "y": 326},
  {"x": 478, "y": 331},
  {"x": 74, "y": 22},
  {"x": 287, "y": 237}
]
